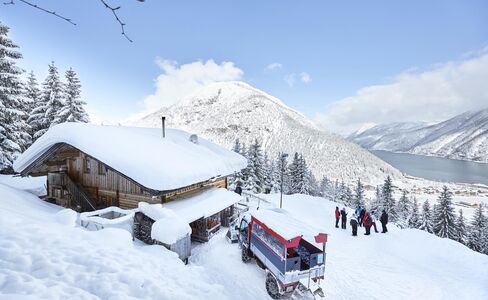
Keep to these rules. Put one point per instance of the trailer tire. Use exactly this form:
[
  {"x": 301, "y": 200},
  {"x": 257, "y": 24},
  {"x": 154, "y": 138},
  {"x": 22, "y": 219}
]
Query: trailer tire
[
  {"x": 272, "y": 287},
  {"x": 245, "y": 255}
]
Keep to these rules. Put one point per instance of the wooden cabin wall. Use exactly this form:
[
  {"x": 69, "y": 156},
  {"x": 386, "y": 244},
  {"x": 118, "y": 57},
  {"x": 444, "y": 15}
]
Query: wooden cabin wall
[{"x": 110, "y": 188}]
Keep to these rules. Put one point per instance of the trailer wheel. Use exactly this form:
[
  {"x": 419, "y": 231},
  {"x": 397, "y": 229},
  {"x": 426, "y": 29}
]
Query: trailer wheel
[
  {"x": 245, "y": 255},
  {"x": 272, "y": 287}
]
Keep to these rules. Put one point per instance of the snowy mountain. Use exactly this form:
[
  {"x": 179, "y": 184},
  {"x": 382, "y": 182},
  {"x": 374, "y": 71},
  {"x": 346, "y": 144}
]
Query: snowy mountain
[
  {"x": 222, "y": 112},
  {"x": 464, "y": 136}
]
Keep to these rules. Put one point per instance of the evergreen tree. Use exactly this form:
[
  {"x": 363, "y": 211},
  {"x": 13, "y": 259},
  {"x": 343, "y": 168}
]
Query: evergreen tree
[
  {"x": 358, "y": 195},
  {"x": 414, "y": 219},
  {"x": 461, "y": 230},
  {"x": 281, "y": 171},
  {"x": 72, "y": 110},
  {"x": 403, "y": 210},
  {"x": 375, "y": 204},
  {"x": 388, "y": 202},
  {"x": 444, "y": 218},
  {"x": 325, "y": 188},
  {"x": 32, "y": 95},
  {"x": 12, "y": 124},
  {"x": 256, "y": 171},
  {"x": 477, "y": 232},
  {"x": 314, "y": 185},
  {"x": 295, "y": 174},
  {"x": 237, "y": 178},
  {"x": 426, "y": 222},
  {"x": 46, "y": 113}
]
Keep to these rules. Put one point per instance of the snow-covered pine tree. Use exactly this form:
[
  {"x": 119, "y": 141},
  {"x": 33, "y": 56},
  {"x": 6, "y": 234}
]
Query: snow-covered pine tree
[
  {"x": 388, "y": 202},
  {"x": 461, "y": 230},
  {"x": 403, "y": 210},
  {"x": 268, "y": 178},
  {"x": 12, "y": 125},
  {"x": 32, "y": 95},
  {"x": 294, "y": 171},
  {"x": 256, "y": 170},
  {"x": 344, "y": 194},
  {"x": 377, "y": 202},
  {"x": 478, "y": 231},
  {"x": 49, "y": 104},
  {"x": 324, "y": 188},
  {"x": 53, "y": 90},
  {"x": 444, "y": 217},
  {"x": 426, "y": 222},
  {"x": 414, "y": 219},
  {"x": 358, "y": 195},
  {"x": 236, "y": 179},
  {"x": 72, "y": 110},
  {"x": 314, "y": 185},
  {"x": 304, "y": 181},
  {"x": 281, "y": 171}
]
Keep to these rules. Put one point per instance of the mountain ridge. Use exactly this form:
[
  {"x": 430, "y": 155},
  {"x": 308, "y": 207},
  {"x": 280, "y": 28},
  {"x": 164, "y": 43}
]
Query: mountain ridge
[
  {"x": 224, "y": 111},
  {"x": 464, "y": 137}
]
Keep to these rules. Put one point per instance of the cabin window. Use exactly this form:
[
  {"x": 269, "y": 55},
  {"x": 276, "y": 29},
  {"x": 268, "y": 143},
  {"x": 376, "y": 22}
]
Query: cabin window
[
  {"x": 101, "y": 169},
  {"x": 86, "y": 165}
]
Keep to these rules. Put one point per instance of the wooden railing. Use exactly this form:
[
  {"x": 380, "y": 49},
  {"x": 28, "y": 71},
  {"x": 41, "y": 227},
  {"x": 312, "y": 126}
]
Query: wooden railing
[
  {"x": 79, "y": 198},
  {"x": 79, "y": 195}
]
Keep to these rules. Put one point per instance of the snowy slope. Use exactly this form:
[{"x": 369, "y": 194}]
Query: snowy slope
[
  {"x": 48, "y": 260},
  {"x": 462, "y": 137},
  {"x": 225, "y": 111}
]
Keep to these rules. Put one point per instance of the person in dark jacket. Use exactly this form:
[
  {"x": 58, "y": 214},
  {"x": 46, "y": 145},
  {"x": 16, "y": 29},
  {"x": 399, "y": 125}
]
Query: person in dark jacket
[
  {"x": 337, "y": 216},
  {"x": 384, "y": 221},
  {"x": 361, "y": 217},
  {"x": 367, "y": 222},
  {"x": 354, "y": 225},
  {"x": 238, "y": 190},
  {"x": 343, "y": 218}
]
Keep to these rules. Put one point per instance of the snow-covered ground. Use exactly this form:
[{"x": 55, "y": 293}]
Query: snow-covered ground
[
  {"x": 47, "y": 259},
  {"x": 35, "y": 185}
]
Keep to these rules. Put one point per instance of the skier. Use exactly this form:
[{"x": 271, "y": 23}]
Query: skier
[
  {"x": 373, "y": 221},
  {"x": 354, "y": 225},
  {"x": 367, "y": 222},
  {"x": 361, "y": 216},
  {"x": 384, "y": 221},
  {"x": 343, "y": 218},
  {"x": 337, "y": 215}
]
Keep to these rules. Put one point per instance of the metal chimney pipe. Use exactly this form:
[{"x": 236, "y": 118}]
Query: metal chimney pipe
[{"x": 162, "y": 123}]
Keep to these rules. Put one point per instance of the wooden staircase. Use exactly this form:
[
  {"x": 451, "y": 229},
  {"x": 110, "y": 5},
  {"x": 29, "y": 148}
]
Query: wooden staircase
[{"x": 77, "y": 197}]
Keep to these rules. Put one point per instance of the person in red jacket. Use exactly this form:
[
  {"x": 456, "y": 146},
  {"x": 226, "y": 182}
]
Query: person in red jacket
[
  {"x": 367, "y": 222},
  {"x": 337, "y": 215}
]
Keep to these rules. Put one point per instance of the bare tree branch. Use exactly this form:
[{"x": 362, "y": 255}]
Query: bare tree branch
[
  {"x": 42, "y": 9},
  {"x": 114, "y": 12},
  {"x": 109, "y": 7}
]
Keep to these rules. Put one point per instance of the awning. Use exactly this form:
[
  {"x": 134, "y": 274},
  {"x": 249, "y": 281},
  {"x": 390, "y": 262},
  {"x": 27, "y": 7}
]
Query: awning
[{"x": 203, "y": 204}]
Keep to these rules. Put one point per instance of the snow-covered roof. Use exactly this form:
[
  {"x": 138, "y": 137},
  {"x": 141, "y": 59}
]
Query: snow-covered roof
[
  {"x": 169, "y": 226},
  {"x": 288, "y": 227},
  {"x": 203, "y": 204},
  {"x": 141, "y": 153}
]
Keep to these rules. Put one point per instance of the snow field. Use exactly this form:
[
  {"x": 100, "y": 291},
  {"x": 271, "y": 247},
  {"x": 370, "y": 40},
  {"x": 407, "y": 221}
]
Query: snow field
[{"x": 48, "y": 260}]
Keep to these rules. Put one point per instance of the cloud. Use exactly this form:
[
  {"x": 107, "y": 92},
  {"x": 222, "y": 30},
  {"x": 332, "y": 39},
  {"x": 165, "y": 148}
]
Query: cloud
[
  {"x": 435, "y": 94},
  {"x": 273, "y": 67},
  {"x": 305, "y": 77},
  {"x": 177, "y": 81},
  {"x": 291, "y": 79}
]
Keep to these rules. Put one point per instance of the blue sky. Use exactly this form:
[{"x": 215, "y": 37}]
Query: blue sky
[{"x": 343, "y": 46}]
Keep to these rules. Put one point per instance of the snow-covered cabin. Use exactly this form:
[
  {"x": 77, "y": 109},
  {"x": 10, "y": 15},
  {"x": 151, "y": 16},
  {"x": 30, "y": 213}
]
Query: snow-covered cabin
[{"x": 90, "y": 167}]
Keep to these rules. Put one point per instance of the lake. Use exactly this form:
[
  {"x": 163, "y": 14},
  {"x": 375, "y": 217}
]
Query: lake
[{"x": 436, "y": 168}]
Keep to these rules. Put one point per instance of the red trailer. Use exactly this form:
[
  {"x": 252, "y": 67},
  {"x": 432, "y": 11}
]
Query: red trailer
[{"x": 291, "y": 252}]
